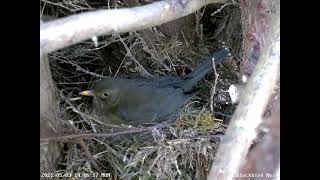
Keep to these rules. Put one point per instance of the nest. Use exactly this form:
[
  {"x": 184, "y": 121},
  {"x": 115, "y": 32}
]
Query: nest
[{"x": 184, "y": 148}]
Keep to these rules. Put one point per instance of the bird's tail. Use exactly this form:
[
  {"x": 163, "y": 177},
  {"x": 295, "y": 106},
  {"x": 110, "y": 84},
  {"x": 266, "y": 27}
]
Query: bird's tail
[{"x": 204, "y": 68}]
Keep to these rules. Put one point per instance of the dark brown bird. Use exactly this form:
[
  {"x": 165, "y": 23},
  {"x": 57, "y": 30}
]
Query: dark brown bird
[{"x": 136, "y": 101}]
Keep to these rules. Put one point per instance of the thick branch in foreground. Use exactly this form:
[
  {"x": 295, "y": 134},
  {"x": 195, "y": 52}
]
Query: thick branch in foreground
[
  {"x": 265, "y": 156},
  {"x": 70, "y": 30},
  {"x": 242, "y": 129}
]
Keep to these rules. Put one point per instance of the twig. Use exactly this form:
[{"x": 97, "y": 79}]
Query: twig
[
  {"x": 70, "y": 30},
  {"x": 85, "y": 148},
  {"x": 213, "y": 89},
  {"x": 223, "y": 6},
  {"x": 142, "y": 70},
  {"x": 79, "y": 68},
  {"x": 116, "y": 73},
  {"x": 105, "y": 135},
  {"x": 114, "y": 152},
  {"x": 88, "y": 153},
  {"x": 121, "y": 39},
  {"x": 77, "y": 83},
  {"x": 88, "y": 72},
  {"x": 199, "y": 26},
  {"x": 94, "y": 135},
  {"x": 76, "y": 110},
  {"x": 154, "y": 47},
  {"x": 72, "y": 6}
]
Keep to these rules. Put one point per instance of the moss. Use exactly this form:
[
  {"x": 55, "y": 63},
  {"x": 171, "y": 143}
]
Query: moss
[{"x": 203, "y": 121}]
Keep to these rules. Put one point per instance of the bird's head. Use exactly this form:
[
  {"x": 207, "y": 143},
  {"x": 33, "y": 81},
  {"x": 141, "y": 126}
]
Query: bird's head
[{"x": 106, "y": 91}]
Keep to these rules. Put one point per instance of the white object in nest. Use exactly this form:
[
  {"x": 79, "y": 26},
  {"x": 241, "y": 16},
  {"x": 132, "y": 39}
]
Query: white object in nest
[
  {"x": 234, "y": 93},
  {"x": 244, "y": 78},
  {"x": 95, "y": 41}
]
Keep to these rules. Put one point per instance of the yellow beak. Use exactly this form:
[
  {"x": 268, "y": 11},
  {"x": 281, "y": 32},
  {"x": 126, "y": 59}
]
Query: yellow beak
[{"x": 87, "y": 93}]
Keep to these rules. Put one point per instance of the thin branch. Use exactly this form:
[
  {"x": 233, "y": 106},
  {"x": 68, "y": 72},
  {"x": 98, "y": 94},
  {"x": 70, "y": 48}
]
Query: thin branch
[
  {"x": 94, "y": 135},
  {"x": 113, "y": 151},
  {"x": 73, "y": 6},
  {"x": 88, "y": 154},
  {"x": 79, "y": 68},
  {"x": 123, "y": 60},
  {"x": 85, "y": 148},
  {"x": 223, "y": 6},
  {"x": 154, "y": 49},
  {"x": 55, "y": 35},
  {"x": 142, "y": 70},
  {"x": 83, "y": 115},
  {"x": 213, "y": 85}
]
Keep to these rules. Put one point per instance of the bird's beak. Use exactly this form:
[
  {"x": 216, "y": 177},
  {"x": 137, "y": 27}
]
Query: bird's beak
[{"x": 87, "y": 93}]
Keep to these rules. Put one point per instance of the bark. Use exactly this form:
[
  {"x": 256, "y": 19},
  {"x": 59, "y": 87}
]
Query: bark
[
  {"x": 264, "y": 159},
  {"x": 50, "y": 152},
  {"x": 242, "y": 129}
]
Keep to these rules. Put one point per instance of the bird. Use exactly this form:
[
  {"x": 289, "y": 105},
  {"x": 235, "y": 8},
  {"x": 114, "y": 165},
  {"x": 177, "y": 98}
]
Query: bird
[{"x": 142, "y": 101}]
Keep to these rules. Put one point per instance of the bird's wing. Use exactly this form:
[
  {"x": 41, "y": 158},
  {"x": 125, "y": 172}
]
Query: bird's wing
[
  {"x": 158, "y": 82},
  {"x": 152, "y": 102}
]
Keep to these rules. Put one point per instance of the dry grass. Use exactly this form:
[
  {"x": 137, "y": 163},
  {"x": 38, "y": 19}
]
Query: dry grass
[
  {"x": 178, "y": 151},
  {"x": 182, "y": 150}
]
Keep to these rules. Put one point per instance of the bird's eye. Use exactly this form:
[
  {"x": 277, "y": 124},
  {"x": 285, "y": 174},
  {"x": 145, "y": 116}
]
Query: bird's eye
[{"x": 105, "y": 94}]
